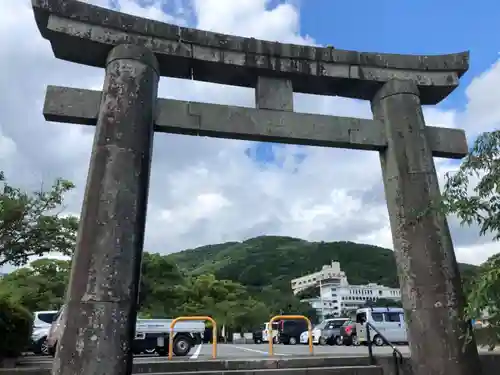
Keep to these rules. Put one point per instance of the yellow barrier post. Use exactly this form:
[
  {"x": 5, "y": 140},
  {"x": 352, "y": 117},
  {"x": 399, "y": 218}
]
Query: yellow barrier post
[
  {"x": 289, "y": 317},
  {"x": 190, "y": 318}
]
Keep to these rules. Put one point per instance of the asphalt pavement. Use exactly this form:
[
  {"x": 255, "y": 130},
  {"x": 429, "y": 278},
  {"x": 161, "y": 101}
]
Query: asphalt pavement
[
  {"x": 230, "y": 351},
  {"x": 249, "y": 351}
]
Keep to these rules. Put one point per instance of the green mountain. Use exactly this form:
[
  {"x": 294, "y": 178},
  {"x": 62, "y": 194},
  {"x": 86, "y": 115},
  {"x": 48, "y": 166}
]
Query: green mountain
[{"x": 271, "y": 261}]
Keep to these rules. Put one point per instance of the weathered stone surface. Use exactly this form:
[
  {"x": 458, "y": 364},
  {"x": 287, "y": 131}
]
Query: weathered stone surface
[
  {"x": 78, "y": 106},
  {"x": 84, "y": 33},
  {"x": 428, "y": 272},
  {"x": 103, "y": 288},
  {"x": 274, "y": 93}
]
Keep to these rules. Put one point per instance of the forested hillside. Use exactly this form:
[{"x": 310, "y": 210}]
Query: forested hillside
[
  {"x": 270, "y": 261},
  {"x": 239, "y": 284}
]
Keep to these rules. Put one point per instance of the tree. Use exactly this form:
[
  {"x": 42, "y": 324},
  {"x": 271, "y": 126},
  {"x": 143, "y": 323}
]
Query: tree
[
  {"x": 484, "y": 300},
  {"x": 161, "y": 286},
  {"x": 285, "y": 303},
  {"x": 480, "y": 204},
  {"x": 166, "y": 292},
  {"x": 226, "y": 301},
  {"x": 310, "y": 292},
  {"x": 31, "y": 224},
  {"x": 41, "y": 286}
]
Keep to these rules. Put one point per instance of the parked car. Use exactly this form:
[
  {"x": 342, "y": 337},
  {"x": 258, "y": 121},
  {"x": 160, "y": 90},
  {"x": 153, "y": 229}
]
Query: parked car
[
  {"x": 327, "y": 332},
  {"x": 348, "y": 333},
  {"x": 330, "y": 334},
  {"x": 289, "y": 331},
  {"x": 261, "y": 334},
  {"x": 42, "y": 321},
  {"x": 389, "y": 321}
]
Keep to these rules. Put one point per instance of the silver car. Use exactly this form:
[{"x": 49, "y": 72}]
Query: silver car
[{"x": 55, "y": 331}]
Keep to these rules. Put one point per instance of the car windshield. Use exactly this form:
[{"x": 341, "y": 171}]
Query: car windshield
[
  {"x": 347, "y": 322},
  {"x": 320, "y": 325},
  {"x": 47, "y": 317}
]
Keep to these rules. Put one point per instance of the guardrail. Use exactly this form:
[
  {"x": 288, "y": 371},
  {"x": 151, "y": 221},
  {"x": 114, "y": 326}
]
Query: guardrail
[
  {"x": 289, "y": 317},
  {"x": 396, "y": 354},
  {"x": 188, "y": 318}
]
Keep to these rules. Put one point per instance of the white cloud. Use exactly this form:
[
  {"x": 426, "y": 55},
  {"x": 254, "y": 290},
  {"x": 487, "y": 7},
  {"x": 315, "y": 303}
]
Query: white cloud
[
  {"x": 7, "y": 148},
  {"x": 208, "y": 190},
  {"x": 483, "y": 111},
  {"x": 251, "y": 18}
]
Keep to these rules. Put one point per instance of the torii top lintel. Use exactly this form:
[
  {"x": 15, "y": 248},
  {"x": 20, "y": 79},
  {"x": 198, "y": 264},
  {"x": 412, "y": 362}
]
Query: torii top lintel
[{"x": 85, "y": 34}]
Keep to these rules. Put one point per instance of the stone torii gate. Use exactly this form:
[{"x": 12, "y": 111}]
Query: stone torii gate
[{"x": 103, "y": 288}]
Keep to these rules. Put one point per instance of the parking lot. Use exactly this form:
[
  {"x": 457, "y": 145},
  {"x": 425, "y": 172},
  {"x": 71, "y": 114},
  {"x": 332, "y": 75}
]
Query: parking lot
[
  {"x": 249, "y": 351},
  {"x": 243, "y": 351},
  {"x": 229, "y": 351}
]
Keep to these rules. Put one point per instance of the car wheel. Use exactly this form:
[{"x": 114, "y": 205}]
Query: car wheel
[
  {"x": 338, "y": 341},
  {"x": 44, "y": 347},
  {"x": 258, "y": 341},
  {"x": 182, "y": 346},
  {"x": 355, "y": 340},
  {"x": 322, "y": 341},
  {"x": 292, "y": 341},
  {"x": 40, "y": 347},
  {"x": 378, "y": 340}
]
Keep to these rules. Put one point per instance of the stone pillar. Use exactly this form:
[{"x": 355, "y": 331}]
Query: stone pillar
[
  {"x": 427, "y": 268},
  {"x": 274, "y": 93},
  {"x": 103, "y": 290}
]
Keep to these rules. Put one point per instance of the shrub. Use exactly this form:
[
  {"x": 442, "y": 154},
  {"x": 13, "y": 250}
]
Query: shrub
[{"x": 16, "y": 324}]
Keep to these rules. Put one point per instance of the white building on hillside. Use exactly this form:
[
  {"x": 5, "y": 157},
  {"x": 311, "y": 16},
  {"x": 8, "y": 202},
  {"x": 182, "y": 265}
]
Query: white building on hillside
[
  {"x": 330, "y": 273},
  {"x": 336, "y": 295}
]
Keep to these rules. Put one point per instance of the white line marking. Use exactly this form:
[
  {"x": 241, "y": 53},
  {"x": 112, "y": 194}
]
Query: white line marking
[
  {"x": 196, "y": 352},
  {"x": 257, "y": 351}
]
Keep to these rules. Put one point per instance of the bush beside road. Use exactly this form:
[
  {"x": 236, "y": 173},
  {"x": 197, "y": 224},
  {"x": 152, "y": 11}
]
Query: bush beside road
[{"x": 16, "y": 324}]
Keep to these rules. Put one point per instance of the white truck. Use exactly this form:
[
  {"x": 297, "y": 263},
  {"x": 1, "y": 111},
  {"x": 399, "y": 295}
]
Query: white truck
[{"x": 151, "y": 335}]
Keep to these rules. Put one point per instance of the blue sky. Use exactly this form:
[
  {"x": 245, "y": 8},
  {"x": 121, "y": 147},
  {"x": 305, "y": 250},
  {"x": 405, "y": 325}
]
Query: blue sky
[{"x": 410, "y": 27}]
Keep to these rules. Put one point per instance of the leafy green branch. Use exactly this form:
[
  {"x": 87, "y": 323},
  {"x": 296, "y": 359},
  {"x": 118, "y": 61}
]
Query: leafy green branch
[
  {"x": 32, "y": 224},
  {"x": 473, "y": 194}
]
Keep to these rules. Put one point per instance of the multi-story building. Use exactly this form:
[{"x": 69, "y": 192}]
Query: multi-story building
[
  {"x": 336, "y": 296},
  {"x": 330, "y": 273}
]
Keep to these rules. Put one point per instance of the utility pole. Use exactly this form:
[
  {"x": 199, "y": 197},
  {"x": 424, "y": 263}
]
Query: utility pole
[{"x": 321, "y": 301}]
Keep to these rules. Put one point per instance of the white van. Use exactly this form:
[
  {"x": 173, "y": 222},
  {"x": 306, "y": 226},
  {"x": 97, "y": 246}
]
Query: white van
[{"x": 390, "y": 321}]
